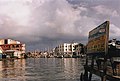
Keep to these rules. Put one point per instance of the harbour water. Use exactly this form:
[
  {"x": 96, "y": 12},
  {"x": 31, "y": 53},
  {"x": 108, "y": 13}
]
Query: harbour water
[{"x": 42, "y": 69}]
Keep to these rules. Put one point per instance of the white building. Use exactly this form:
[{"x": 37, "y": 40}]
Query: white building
[
  {"x": 8, "y": 41},
  {"x": 66, "y": 49},
  {"x": 16, "y": 48}
]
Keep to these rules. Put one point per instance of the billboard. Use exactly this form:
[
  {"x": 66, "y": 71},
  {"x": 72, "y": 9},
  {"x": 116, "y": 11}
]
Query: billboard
[{"x": 98, "y": 39}]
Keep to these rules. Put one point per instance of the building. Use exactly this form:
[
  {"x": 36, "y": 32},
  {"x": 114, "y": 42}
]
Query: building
[
  {"x": 55, "y": 52},
  {"x": 8, "y": 41},
  {"x": 66, "y": 49},
  {"x": 115, "y": 43},
  {"x": 114, "y": 48},
  {"x": 12, "y": 48},
  {"x": 79, "y": 50},
  {"x": 1, "y": 50}
]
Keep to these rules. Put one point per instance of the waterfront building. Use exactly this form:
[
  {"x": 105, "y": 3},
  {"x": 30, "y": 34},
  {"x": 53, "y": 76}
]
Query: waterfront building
[
  {"x": 114, "y": 43},
  {"x": 12, "y": 48},
  {"x": 114, "y": 48},
  {"x": 66, "y": 49},
  {"x": 1, "y": 50},
  {"x": 79, "y": 50},
  {"x": 35, "y": 54},
  {"x": 55, "y": 52},
  {"x": 8, "y": 41}
]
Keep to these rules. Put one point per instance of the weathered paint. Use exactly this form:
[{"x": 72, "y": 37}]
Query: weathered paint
[{"x": 98, "y": 39}]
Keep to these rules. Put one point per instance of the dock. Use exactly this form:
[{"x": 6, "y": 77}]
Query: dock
[
  {"x": 111, "y": 72},
  {"x": 101, "y": 55}
]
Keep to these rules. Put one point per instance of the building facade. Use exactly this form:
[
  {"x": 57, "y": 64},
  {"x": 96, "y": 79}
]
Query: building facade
[
  {"x": 80, "y": 50},
  {"x": 66, "y": 49},
  {"x": 12, "y": 48}
]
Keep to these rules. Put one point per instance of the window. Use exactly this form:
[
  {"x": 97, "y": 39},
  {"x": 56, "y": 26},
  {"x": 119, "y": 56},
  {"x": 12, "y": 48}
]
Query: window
[
  {"x": 6, "y": 41},
  {"x": 17, "y": 45}
]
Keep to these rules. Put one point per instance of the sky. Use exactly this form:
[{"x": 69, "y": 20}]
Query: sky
[{"x": 43, "y": 24}]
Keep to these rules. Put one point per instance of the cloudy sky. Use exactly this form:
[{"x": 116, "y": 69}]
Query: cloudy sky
[{"x": 42, "y": 24}]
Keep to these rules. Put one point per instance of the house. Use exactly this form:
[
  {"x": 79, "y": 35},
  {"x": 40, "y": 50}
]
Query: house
[{"x": 12, "y": 48}]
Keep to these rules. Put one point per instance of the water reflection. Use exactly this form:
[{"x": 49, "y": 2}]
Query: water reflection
[
  {"x": 41, "y": 69},
  {"x": 12, "y": 70},
  {"x": 71, "y": 68},
  {"x": 54, "y": 69}
]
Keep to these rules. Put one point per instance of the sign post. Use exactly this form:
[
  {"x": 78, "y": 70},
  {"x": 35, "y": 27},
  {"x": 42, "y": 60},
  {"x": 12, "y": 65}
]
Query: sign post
[
  {"x": 98, "y": 40},
  {"x": 97, "y": 46}
]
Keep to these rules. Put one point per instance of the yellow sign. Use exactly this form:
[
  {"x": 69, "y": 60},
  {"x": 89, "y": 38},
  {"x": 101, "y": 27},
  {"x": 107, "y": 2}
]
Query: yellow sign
[{"x": 98, "y": 38}]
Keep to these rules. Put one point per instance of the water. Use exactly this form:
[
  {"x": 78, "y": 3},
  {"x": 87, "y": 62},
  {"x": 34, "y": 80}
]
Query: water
[{"x": 42, "y": 69}]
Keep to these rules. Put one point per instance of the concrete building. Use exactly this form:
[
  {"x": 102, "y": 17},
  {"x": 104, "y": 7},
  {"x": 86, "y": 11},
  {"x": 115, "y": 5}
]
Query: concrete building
[
  {"x": 66, "y": 49},
  {"x": 12, "y": 48},
  {"x": 115, "y": 43},
  {"x": 8, "y": 41},
  {"x": 79, "y": 50},
  {"x": 1, "y": 50},
  {"x": 55, "y": 52}
]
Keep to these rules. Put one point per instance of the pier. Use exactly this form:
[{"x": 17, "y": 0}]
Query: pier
[
  {"x": 101, "y": 58},
  {"x": 110, "y": 72}
]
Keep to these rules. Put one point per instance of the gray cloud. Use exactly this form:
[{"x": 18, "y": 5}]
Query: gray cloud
[{"x": 46, "y": 23}]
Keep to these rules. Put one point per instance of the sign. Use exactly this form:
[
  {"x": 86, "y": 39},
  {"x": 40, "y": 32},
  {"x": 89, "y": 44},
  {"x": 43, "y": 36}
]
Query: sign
[
  {"x": 98, "y": 39},
  {"x": 11, "y": 47}
]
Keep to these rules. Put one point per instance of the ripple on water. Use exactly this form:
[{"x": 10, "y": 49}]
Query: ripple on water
[{"x": 42, "y": 69}]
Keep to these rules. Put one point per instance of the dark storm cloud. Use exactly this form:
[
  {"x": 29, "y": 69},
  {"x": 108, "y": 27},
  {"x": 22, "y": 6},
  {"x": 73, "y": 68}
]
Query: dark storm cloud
[{"x": 46, "y": 23}]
